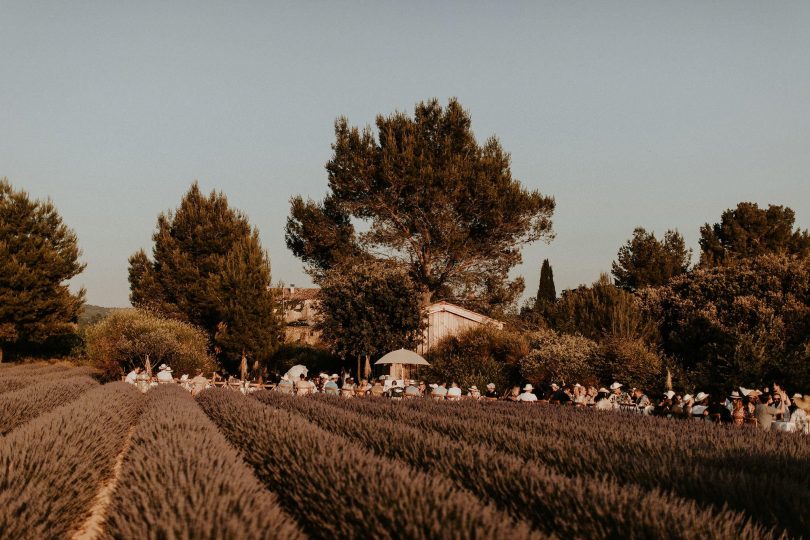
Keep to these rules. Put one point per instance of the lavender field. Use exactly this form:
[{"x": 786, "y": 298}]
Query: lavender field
[{"x": 83, "y": 460}]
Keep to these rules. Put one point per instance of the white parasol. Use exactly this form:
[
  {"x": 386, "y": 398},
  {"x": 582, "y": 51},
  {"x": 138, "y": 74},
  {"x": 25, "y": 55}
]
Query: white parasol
[
  {"x": 295, "y": 372},
  {"x": 402, "y": 356}
]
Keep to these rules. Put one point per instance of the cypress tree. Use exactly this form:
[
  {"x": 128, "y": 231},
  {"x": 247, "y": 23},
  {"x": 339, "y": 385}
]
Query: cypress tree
[
  {"x": 208, "y": 268},
  {"x": 38, "y": 255},
  {"x": 546, "y": 291}
]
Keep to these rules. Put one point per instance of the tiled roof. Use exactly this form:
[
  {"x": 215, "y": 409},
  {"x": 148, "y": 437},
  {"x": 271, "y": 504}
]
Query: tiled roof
[{"x": 297, "y": 295}]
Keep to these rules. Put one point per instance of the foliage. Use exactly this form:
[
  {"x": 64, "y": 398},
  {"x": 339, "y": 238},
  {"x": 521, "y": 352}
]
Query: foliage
[
  {"x": 177, "y": 454},
  {"x": 209, "y": 269},
  {"x": 25, "y": 404},
  {"x": 315, "y": 358},
  {"x": 122, "y": 341},
  {"x": 73, "y": 450},
  {"x": 309, "y": 467},
  {"x": 38, "y": 255},
  {"x": 745, "y": 324},
  {"x": 431, "y": 199},
  {"x": 632, "y": 362},
  {"x": 748, "y": 231},
  {"x": 602, "y": 310},
  {"x": 560, "y": 358},
  {"x": 368, "y": 308},
  {"x": 478, "y": 356},
  {"x": 645, "y": 261},
  {"x": 546, "y": 291}
]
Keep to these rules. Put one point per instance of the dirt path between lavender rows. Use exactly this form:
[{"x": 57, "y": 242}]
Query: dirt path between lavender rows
[{"x": 92, "y": 527}]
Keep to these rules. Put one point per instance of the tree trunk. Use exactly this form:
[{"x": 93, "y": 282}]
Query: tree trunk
[{"x": 1, "y": 354}]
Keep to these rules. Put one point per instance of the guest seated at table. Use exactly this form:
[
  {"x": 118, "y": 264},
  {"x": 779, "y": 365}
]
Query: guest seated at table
[
  {"x": 602, "y": 401},
  {"x": 513, "y": 395},
  {"x": 412, "y": 390},
  {"x": 473, "y": 393},
  {"x": 527, "y": 396},
  {"x": 439, "y": 391},
  {"x": 454, "y": 392},
  {"x": 330, "y": 387},
  {"x": 491, "y": 394},
  {"x": 377, "y": 389}
]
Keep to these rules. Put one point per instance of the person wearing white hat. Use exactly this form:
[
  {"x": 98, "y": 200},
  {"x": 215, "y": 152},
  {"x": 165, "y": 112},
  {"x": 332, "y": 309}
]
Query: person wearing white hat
[
  {"x": 617, "y": 398},
  {"x": 165, "y": 374},
  {"x": 799, "y": 417},
  {"x": 285, "y": 385},
  {"x": 602, "y": 400},
  {"x": 491, "y": 394},
  {"x": 454, "y": 392},
  {"x": 701, "y": 408},
  {"x": 412, "y": 390},
  {"x": 473, "y": 392},
  {"x": 527, "y": 396}
]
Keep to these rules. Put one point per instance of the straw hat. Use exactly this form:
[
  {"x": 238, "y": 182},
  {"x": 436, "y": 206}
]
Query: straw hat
[
  {"x": 701, "y": 396},
  {"x": 803, "y": 403},
  {"x": 473, "y": 387},
  {"x": 735, "y": 395},
  {"x": 528, "y": 388},
  {"x": 615, "y": 385},
  {"x": 669, "y": 394},
  {"x": 603, "y": 390},
  {"x": 491, "y": 386},
  {"x": 687, "y": 397}
]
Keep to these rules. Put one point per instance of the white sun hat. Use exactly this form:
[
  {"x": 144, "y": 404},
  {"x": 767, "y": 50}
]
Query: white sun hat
[
  {"x": 701, "y": 396},
  {"x": 670, "y": 394},
  {"x": 687, "y": 397},
  {"x": 491, "y": 385},
  {"x": 528, "y": 388},
  {"x": 615, "y": 385}
]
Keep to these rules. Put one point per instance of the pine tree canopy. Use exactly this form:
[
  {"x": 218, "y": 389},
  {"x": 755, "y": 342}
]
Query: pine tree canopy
[
  {"x": 38, "y": 255},
  {"x": 748, "y": 231},
  {"x": 645, "y": 261},
  {"x": 430, "y": 199},
  {"x": 208, "y": 268}
]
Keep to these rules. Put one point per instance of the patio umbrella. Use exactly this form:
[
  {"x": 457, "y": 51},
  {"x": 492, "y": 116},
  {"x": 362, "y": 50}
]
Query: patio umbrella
[
  {"x": 402, "y": 356},
  {"x": 295, "y": 372}
]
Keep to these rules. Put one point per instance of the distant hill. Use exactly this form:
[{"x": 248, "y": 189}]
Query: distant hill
[{"x": 92, "y": 314}]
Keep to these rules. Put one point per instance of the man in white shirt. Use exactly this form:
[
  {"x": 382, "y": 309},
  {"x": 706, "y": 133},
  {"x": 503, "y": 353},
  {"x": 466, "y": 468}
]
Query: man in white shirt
[
  {"x": 132, "y": 376},
  {"x": 527, "y": 395}
]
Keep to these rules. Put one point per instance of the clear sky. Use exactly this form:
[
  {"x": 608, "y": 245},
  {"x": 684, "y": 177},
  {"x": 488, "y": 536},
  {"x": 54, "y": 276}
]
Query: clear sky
[{"x": 658, "y": 114}]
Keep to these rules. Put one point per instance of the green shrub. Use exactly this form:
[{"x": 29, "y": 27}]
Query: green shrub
[
  {"x": 632, "y": 362},
  {"x": 315, "y": 358},
  {"x": 123, "y": 340},
  {"x": 478, "y": 356},
  {"x": 559, "y": 358}
]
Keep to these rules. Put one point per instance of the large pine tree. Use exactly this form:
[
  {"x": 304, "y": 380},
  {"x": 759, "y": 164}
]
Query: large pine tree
[
  {"x": 38, "y": 255},
  {"x": 428, "y": 198},
  {"x": 208, "y": 268}
]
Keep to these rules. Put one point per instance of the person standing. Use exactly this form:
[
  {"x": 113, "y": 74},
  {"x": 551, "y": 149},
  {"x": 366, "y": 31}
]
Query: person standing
[{"x": 764, "y": 412}]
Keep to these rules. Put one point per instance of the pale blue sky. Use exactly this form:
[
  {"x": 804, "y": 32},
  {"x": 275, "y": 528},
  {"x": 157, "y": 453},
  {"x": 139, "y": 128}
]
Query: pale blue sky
[{"x": 659, "y": 114}]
